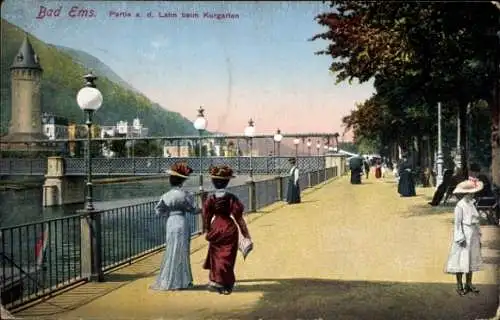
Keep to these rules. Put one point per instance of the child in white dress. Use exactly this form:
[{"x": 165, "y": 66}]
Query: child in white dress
[{"x": 465, "y": 251}]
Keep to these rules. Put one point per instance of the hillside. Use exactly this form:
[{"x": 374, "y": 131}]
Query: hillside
[
  {"x": 62, "y": 79},
  {"x": 96, "y": 65}
]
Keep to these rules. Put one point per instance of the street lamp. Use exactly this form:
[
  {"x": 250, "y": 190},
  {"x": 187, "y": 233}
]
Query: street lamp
[
  {"x": 296, "y": 142},
  {"x": 200, "y": 124},
  {"x": 318, "y": 146},
  {"x": 277, "y": 138},
  {"x": 309, "y": 143},
  {"x": 249, "y": 133},
  {"x": 89, "y": 99},
  {"x": 128, "y": 145},
  {"x": 439, "y": 161}
]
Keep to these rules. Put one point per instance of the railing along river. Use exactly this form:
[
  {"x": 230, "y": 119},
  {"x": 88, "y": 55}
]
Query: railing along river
[{"x": 38, "y": 259}]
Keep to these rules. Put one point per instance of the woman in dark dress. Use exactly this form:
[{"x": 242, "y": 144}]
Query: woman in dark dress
[
  {"x": 356, "y": 167},
  {"x": 406, "y": 185},
  {"x": 293, "y": 194},
  {"x": 220, "y": 212}
]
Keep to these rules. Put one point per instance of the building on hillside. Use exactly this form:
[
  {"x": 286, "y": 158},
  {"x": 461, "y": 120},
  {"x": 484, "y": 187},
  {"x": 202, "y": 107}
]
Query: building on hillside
[
  {"x": 54, "y": 127},
  {"x": 177, "y": 149},
  {"x": 123, "y": 128}
]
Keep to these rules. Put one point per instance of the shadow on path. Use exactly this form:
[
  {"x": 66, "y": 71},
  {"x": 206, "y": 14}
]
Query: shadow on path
[{"x": 332, "y": 299}]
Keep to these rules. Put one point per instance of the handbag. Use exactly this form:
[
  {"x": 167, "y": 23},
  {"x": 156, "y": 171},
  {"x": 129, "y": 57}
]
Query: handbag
[{"x": 245, "y": 245}]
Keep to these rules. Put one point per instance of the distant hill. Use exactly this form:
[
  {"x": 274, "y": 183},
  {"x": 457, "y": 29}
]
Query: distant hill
[
  {"x": 62, "y": 78},
  {"x": 88, "y": 61}
]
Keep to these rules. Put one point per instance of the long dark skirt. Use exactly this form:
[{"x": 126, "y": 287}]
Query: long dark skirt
[
  {"x": 356, "y": 175},
  {"x": 406, "y": 186},
  {"x": 293, "y": 194}
]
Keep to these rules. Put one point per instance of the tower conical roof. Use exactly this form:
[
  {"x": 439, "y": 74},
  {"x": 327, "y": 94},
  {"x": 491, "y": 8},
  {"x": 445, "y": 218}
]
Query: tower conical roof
[{"x": 26, "y": 58}]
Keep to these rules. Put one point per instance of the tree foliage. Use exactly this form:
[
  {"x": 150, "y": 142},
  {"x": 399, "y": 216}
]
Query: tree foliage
[{"x": 419, "y": 53}]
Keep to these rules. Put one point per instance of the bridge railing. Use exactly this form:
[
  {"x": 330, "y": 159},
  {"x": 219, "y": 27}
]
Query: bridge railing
[
  {"x": 38, "y": 259},
  {"x": 157, "y": 165}
]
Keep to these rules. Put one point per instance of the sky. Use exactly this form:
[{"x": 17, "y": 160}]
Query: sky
[{"x": 257, "y": 63}]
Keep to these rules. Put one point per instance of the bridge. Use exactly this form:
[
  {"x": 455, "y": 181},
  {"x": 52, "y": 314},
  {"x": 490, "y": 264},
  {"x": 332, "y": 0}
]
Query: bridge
[
  {"x": 346, "y": 252},
  {"x": 144, "y": 166}
]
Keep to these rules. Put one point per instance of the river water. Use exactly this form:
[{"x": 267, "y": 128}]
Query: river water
[{"x": 23, "y": 206}]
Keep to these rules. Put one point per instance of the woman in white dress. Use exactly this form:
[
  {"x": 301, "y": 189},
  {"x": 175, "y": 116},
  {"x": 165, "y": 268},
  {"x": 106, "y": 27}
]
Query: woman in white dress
[{"x": 465, "y": 251}]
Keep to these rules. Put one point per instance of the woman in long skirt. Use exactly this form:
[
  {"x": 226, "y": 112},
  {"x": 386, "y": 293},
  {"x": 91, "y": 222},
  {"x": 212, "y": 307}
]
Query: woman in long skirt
[
  {"x": 378, "y": 170},
  {"x": 175, "y": 270},
  {"x": 220, "y": 212},
  {"x": 465, "y": 251},
  {"x": 293, "y": 194}
]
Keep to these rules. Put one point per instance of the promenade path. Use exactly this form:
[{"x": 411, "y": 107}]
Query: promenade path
[{"x": 347, "y": 252}]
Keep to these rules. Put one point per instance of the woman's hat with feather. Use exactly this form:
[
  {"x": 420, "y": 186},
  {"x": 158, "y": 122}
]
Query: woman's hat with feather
[
  {"x": 472, "y": 185},
  {"x": 180, "y": 169},
  {"x": 222, "y": 171}
]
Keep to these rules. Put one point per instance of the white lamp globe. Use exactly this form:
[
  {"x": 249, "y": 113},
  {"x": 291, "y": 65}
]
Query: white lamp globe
[
  {"x": 296, "y": 141},
  {"x": 200, "y": 123},
  {"x": 89, "y": 99},
  {"x": 325, "y": 147},
  {"x": 250, "y": 130},
  {"x": 318, "y": 146},
  {"x": 277, "y": 136},
  {"x": 309, "y": 143}
]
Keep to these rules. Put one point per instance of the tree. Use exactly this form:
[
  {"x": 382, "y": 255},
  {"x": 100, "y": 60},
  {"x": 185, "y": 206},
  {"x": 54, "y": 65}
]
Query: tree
[{"x": 446, "y": 49}]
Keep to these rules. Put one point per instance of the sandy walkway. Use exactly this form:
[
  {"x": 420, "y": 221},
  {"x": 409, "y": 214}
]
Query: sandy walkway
[{"x": 347, "y": 252}]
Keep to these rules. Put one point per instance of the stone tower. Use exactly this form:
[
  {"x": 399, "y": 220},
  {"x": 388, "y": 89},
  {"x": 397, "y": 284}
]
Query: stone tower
[{"x": 26, "y": 76}]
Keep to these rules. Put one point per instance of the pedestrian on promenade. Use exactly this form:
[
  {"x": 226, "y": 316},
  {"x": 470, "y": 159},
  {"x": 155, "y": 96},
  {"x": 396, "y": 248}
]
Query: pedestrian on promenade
[
  {"x": 441, "y": 189},
  {"x": 378, "y": 169},
  {"x": 220, "y": 212},
  {"x": 356, "y": 167},
  {"x": 176, "y": 204},
  {"x": 406, "y": 185},
  {"x": 293, "y": 194},
  {"x": 366, "y": 164},
  {"x": 465, "y": 251}
]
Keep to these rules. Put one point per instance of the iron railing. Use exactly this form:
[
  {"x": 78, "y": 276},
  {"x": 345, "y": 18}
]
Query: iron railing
[
  {"x": 38, "y": 259},
  {"x": 157, "y": 165}
]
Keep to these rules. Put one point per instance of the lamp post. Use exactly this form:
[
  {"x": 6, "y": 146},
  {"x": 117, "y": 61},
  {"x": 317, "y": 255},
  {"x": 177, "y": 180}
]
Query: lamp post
[
  {"x": 318, "y": 146},
  {"x": 439, "y": 161},
  {"x": 200, "y": 124},
  {"x": 249, "y": 133},
  {"x": 277, "y": 138},
  {"x": 458, "y": 155},
  {"x": 336, "y": 137},
  {"x": 128, "y": 145},
  {"x": 89, "y": 99},
  {"x": 309, "y": 143},
  {"x": 296, "y": 142}
]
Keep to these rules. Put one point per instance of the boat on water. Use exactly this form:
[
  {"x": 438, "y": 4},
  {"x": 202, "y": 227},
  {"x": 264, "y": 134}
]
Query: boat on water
[{"x": 15, "y": 275}]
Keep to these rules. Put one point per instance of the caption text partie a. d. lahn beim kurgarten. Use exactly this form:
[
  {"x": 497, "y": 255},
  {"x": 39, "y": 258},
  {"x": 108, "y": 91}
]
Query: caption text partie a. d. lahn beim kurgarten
[{"x": 87, "y": 12}]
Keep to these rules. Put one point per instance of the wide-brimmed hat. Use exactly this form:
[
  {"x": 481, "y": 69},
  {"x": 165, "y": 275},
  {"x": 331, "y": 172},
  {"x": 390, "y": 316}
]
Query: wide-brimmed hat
[
  {"x": 222, "y": 171},
  {"x": 180, "y": 169},
  {"x": 468, "y": 186}
]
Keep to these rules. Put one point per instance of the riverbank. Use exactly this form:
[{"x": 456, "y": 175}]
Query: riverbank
[{"x": 19, "y": 185}]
